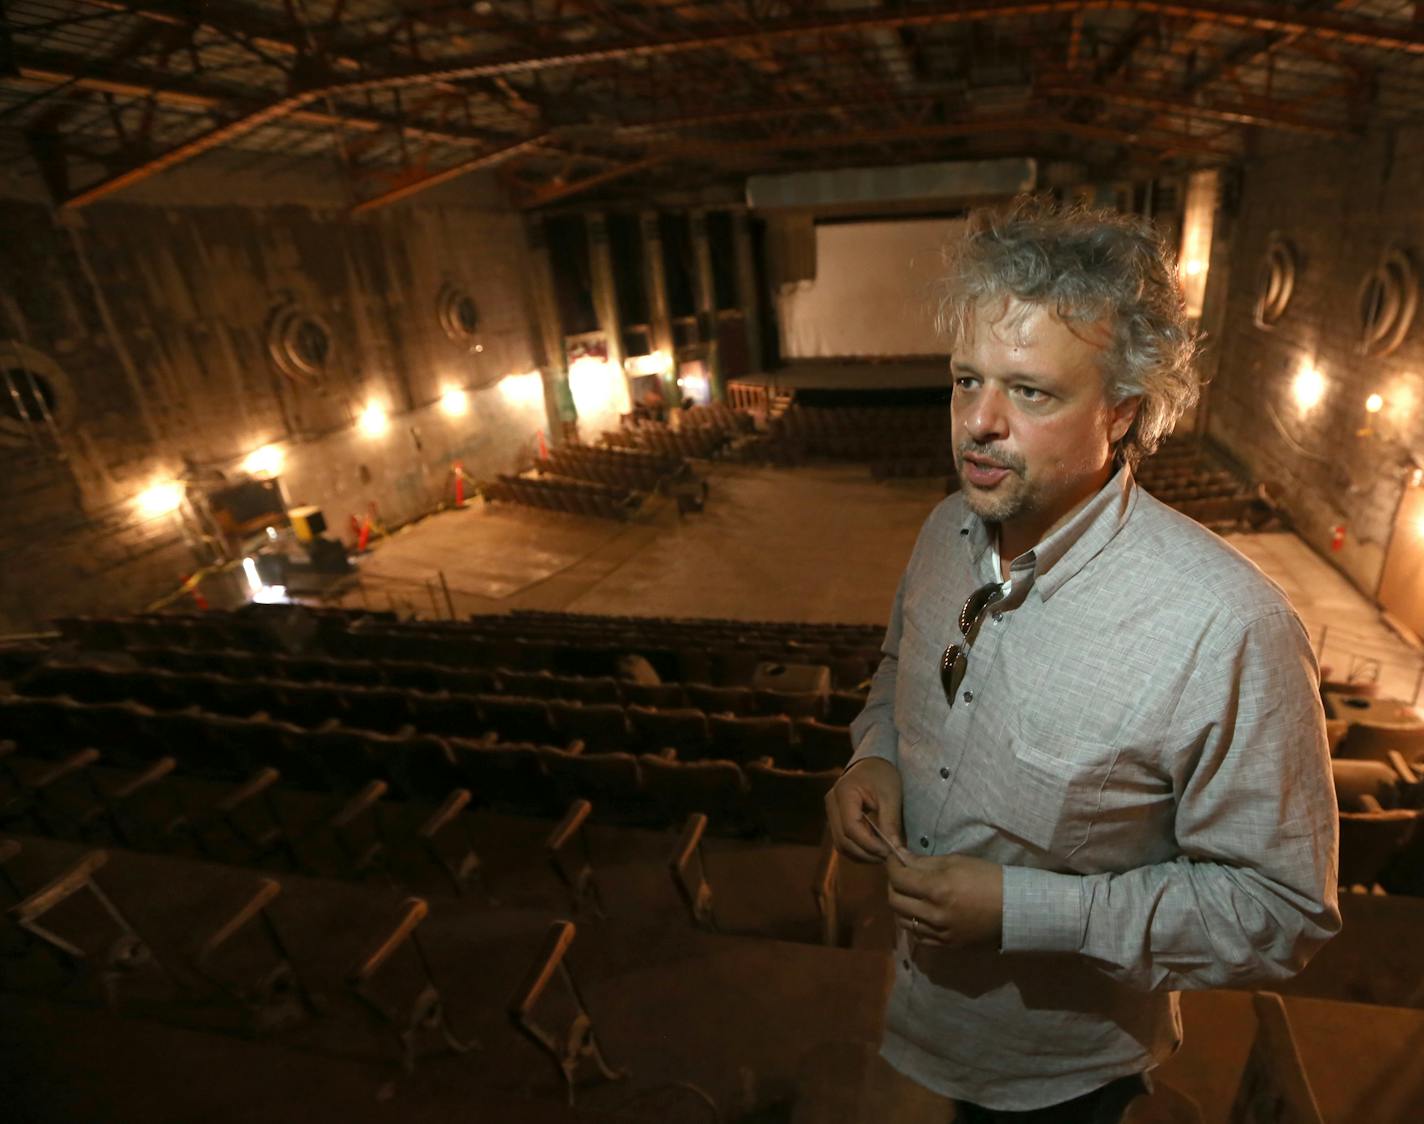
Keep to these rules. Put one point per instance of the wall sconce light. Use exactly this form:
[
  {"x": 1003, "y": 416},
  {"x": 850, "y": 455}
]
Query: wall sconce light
[
  {"x": 1374, "y": 404},
  {"x": 266, "y": 461},
  {"x": 159, "y": 499},
  {"x": 374, "y": 420},
  {"x": 455, "y": 402},
  {"x": 1308, "y": 387},
  {"x": 522, "y": 388},
  {"x": 654, "y": 363}
]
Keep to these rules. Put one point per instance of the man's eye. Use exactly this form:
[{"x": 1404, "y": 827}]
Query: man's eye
[
  {"x": 965, "y": 382},
  {"x": 1032, "y": 394}
]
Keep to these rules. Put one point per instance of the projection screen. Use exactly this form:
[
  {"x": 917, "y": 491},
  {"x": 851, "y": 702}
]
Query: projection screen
[{"x": 874, "y": 294}]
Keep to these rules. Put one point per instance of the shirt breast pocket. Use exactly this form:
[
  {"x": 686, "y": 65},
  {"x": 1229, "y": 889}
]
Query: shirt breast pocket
[{"x": 1052, "y": 793}]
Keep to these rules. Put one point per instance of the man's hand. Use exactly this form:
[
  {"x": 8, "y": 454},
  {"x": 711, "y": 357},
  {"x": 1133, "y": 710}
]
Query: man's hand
[
  {"x": 871, "y": 788},
  {"x": 951, "y": 900}
]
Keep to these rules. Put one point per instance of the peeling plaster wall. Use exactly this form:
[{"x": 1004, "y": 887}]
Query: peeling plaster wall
[
  {"x": 155, "y": 307},
  {"x": 1341, "y": 205}
]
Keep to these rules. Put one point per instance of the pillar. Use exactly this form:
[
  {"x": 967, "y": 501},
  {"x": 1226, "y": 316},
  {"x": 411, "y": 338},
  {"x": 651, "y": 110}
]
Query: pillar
[
  {"x": 558, "y": 400},
  {"x": 655, "y": 280},
  {"x": 747, "y": 295},
  {"x": 605, "y": 297},
  {"x": 705, "y": 294}
]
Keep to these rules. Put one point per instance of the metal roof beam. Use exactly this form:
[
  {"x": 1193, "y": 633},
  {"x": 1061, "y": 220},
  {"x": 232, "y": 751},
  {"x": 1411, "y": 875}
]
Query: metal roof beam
[
  {"x": 445, "y": 175},
  {"x": 991, "y": 126},
  {"x": 60, "y": 70},
  {"x": 555, "y": 191},
  {"x": 1264, "y": 112},
  {"x": 1347, "y": 29}
]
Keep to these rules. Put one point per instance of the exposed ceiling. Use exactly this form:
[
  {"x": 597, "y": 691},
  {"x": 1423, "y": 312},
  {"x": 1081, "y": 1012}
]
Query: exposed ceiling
[{"x": 574, "y": 98}]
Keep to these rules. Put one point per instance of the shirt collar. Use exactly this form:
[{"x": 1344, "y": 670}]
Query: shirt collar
[{"x": 1073, "y": 545}]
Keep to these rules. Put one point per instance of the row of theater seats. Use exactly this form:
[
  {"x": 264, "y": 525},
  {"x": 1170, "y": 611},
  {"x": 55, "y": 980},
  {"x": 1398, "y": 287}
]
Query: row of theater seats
[
  {"x": 632, "y": 469},
  {"x": 1381, "y": 824},
  {"x": 1378, "y": 741},
  {"x": 721, "y": 656},
  {"x": 70, "y": 937},
  {"x": 520, "y": 778},
  {"x": 886, "y": 436},
  {"x": 700, "y": 442},
  {"x": 838, "y": 707},
  {"x": 574, "y": 497},
  {"x": 713, "y": 630},
  {"x": 254, "y": 627},
  {"x": 602, "y": 726}
]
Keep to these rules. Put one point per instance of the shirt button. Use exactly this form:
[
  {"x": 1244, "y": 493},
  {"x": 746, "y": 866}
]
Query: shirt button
[
  {"x": 998, "y": 618},
  {"x": 924, "y": 841},
  {"x": 968, "y": 696},
  {"x": 944, "y": 774}
]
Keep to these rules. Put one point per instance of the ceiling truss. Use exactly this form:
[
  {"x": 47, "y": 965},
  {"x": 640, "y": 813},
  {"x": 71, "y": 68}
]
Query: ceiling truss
[{"x": 573, "y": 97}]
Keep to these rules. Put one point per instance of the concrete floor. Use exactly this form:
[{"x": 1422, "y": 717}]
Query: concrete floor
[
  {"x": 1349, "y": 634},
  {"x": 820, "y": 543}
]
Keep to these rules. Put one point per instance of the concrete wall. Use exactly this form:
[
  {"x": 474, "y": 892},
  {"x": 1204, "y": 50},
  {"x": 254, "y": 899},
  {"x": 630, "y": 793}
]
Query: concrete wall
[
  {"x": 149, "y": 313},
  {"x": 1341, "y": 205}
]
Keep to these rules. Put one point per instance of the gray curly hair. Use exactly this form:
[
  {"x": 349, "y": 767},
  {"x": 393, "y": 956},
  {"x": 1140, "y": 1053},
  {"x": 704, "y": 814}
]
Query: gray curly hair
[{"x": 1086, "y": 265}]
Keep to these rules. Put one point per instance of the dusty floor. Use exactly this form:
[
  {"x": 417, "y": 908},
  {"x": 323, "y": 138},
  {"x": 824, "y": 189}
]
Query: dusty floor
[{"x": 824, "y": 543}]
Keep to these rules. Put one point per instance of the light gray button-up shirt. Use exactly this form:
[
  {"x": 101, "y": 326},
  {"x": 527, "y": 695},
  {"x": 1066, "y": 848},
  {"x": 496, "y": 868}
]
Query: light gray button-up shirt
[{"x": 1139, "y": 741}]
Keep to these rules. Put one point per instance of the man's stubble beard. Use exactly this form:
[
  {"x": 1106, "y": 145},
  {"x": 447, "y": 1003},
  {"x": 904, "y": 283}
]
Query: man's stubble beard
[{"x": 1013, "y": 496}]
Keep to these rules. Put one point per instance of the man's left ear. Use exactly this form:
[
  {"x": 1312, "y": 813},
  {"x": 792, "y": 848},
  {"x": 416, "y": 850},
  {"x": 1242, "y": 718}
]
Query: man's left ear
[{"x": 1122, "y": 416}]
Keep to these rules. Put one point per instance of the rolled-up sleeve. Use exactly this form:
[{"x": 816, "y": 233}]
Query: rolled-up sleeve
[{"x": 1252, "y": 892}]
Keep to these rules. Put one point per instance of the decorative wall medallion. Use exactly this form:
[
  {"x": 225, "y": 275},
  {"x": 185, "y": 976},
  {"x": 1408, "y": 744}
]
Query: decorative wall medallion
[
  {"x": 1275, "y": 281},
  {"x": 35, "y": 394},
  {"x": 300, "y": 344},
  {"x": 457, "y": 313},
  {"x": 1387, "y": 301}
]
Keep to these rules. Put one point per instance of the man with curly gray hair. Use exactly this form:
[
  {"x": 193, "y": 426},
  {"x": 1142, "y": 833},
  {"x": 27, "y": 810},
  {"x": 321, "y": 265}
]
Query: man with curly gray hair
[{"x": 1096, "y": 728}]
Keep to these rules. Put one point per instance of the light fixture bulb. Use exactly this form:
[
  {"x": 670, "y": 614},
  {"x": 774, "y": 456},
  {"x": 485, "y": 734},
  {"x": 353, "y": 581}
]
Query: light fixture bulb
[
  {"x": 455, "y": 402},
  {"x": 1308, "y": 387},
  {"x": 159, "y": 499},
  {"x": 374, "y": 420},
  {"x": 1374, "y": 403},
  {"x": 266, "y": 461}
]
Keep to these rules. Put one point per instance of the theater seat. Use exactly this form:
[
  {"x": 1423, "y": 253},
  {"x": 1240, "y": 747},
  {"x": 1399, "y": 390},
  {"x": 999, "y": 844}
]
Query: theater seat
[
  {"x": 1372, "y": 741},
  {"x": 1356, "y": 779},
  {"x": 821, "y": 745},
  {"x": 549, "y": 1010},
  {"x": 1369, "y": 840},
  {"x": 748, "y": 739},
  {"x": 679, "y": 788},
  {"x": 90, "y": 934},
  {"x": 505, "y": 776},
  {"x": 612, "y": 781},
  {"x": 246, "y": 961},
  {"x": 419, "y": 1009},
  {"x": 789, "y": 804}
]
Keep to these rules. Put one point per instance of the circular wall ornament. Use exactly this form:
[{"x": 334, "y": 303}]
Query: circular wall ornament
[
  {"x": 457, "y": 313},
  {"x": 1387, "y": 302},
  {"x": 299, "y": 343},
  {"x": 1275, "y": 281},
  {"x": 35, "y": 393}
]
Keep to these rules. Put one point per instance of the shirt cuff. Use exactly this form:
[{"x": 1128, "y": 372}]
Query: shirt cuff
[
  {"x": 1043, "y": 911},
  {"x": 879, "y": 742}
]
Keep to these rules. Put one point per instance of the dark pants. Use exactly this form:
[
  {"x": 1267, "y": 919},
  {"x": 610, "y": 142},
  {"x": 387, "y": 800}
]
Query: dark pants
[{"x": 1101, "y": 1106}]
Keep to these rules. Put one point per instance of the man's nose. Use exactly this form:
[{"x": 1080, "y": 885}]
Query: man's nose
[{"x": 986, "y": 415}]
